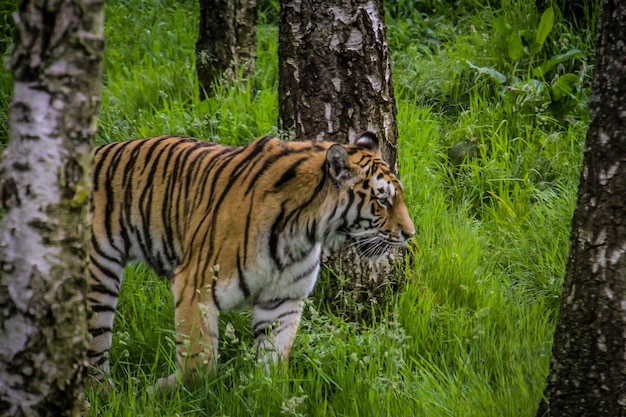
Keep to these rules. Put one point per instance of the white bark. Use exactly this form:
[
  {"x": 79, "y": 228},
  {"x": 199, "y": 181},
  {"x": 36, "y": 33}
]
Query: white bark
[{"x": 44, "y": 195}]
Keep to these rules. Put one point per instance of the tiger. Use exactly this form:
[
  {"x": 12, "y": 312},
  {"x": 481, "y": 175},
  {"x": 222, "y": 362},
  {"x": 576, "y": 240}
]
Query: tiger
[{"x": 233, "y": 227}]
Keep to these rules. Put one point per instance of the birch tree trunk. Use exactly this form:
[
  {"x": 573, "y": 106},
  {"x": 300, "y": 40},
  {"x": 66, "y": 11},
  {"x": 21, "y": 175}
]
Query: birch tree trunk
[
  {"x": 226, "y": 41},
  {"x": 588, "y": 367},
  {"x": 334, "y": 84},
  {"x": 45, "y": 177}
]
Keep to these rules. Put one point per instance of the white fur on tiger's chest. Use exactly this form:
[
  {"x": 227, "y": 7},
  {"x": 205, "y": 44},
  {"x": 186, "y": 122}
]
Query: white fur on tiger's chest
[{"x": 265, "y": 282}]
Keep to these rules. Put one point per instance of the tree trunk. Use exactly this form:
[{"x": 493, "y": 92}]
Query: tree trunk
[
  {"x": 226, "y": 41},
  {"x": 588, "y": 368},
  {"x": 44, "y": 192},
  {"x": 335, "y": 83}
]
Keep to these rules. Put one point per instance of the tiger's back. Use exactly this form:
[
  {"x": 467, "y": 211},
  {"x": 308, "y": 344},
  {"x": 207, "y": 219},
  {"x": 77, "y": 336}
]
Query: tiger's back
[{"x": 231, "y": 226}]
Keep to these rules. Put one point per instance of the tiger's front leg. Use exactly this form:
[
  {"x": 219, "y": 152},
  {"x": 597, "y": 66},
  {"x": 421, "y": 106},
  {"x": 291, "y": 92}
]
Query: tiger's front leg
[
  {"x": 274, "y": 326},
  {"x": 196, "y": 318}
]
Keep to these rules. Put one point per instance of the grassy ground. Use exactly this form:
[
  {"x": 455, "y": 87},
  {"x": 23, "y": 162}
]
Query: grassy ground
[{"x": 492, "y": 116}]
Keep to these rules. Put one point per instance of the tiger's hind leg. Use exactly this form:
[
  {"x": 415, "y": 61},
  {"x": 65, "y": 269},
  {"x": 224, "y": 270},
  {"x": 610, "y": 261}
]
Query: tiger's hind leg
[
  {"x": 274, "y": 326},
  {"x": 196, "y": 317},
  {"x": 105, "y": 278}
]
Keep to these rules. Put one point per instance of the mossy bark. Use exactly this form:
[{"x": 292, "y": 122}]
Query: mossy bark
[{"x": 44, "y": 193}]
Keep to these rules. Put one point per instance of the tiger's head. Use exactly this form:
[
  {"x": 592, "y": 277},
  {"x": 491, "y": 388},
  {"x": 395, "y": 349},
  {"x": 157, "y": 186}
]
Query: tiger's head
[{"x": 371, "y": 213}]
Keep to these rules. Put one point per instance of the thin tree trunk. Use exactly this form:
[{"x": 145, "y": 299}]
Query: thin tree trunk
[
  {"x": 588, "y": 367},
  {"x": 334, "y": 84},
  {"x": 226, "y": 41},
  {"x": 44, "y": 192}
]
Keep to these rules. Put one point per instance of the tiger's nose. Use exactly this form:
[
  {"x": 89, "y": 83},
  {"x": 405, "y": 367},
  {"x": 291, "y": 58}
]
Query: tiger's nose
[{"x": 407, "y": 234}]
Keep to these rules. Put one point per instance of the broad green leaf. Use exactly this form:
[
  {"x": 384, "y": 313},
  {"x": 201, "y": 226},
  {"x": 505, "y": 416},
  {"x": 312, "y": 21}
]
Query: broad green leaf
[
  {"x": 564, "y": 86},
  {"x": 493, "y": 73},
  {"x": 514, "y": 46},
  {"x": 545, "y": 27},
  {"x": 551, "y": 63}
]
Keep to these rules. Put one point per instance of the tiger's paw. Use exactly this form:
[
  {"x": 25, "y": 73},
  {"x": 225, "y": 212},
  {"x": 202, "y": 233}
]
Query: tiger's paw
[{"x": 166, "y": 384}]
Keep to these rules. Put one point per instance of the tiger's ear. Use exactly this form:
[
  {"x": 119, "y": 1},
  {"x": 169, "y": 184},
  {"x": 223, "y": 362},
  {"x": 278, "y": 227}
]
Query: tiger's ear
[
  {"x": 369, "y": 141},
  {"x": 339, "y": 166}
]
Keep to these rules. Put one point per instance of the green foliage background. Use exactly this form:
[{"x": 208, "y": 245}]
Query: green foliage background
[
  {"x": 492, "y": 100},
  {"x": 7, "y": 7}
]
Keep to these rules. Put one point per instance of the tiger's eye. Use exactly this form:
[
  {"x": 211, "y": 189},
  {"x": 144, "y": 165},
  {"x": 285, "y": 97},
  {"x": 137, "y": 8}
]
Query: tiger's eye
[{"x": 383, "y": 201}]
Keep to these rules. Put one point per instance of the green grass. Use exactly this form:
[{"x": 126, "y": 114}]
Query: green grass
[{"x": 470, "y": 333}]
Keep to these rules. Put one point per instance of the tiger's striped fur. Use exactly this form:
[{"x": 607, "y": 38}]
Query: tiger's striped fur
[{"x": 234, "y": 226}]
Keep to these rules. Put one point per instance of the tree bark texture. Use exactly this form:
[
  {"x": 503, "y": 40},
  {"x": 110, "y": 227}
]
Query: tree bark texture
[
  {"x": 334, "y": 84},
  {"x": 45, "y": 180},
  {"x": 226, "y": 41},
  {"x": 588, "y": 367},
  {"x": 335, "y": 72}
]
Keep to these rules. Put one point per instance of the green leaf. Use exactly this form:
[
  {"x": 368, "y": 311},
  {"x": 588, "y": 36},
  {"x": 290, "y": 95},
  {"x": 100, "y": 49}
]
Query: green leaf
[
  {"x": 551, "y": 63},
  {"x": 514, "y": 46},
  {"x": 545, "y": 27},
  {"x": 493, "y": 73},
  {"x": 564, "y": 86}
]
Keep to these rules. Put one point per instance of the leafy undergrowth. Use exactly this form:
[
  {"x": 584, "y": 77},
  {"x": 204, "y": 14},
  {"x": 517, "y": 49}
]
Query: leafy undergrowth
[{"x": 492, "y": 116}]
